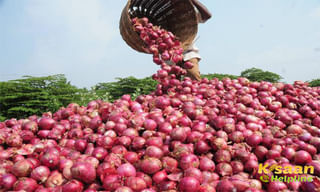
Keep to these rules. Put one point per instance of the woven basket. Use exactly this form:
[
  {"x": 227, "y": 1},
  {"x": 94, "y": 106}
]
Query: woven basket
[{"x": 177, "y": 16}]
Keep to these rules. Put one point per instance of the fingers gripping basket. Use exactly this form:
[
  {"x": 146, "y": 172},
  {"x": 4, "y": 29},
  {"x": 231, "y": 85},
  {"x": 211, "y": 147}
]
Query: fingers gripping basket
[{"x": 177, "y": 16}]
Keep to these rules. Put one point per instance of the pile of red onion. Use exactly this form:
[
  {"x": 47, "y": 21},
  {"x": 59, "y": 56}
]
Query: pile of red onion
[{"x": 186, "y": 136}]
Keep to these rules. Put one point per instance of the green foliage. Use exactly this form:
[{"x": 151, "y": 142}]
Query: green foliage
[
  {"x": 219, "y": 76},
  {"x": 35, "y": 95},
  {"x": 130, "y": 85},
  {"x": 254, "y": 74},
  {"x": 314, "y": 83}
]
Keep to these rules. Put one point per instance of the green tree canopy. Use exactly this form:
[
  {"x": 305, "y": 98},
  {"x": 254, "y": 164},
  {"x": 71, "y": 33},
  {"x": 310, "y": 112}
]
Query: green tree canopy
[
  {"x": 255, "y": 74},
  {"x": 219, "y": 76},
  {"x": 122, "y": 86},
  {"x": 35, "y": 95},
  {"x": 314, "y": 83}
]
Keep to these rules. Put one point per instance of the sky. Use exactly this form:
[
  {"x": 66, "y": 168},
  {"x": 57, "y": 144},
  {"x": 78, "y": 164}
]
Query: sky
[{"x": 81, "y": 39}]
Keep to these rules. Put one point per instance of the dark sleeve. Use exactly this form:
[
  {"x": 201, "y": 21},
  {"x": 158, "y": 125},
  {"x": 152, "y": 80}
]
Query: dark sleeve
[{"x": 204, "y": 12}]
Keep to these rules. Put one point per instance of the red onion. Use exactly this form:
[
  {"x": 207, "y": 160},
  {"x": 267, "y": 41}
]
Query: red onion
[
  {"x": 22, "y": 168},
  {"x": 55, "y": 179},
  {"x": 4, "y": 155},
  {"x": 237, "y": 167},
  {"x": 17, "y": 158},
  {"x": 155, "y": 141},
  {"x": 194, "y": 172},
  {"x": 222, "y": 156},
  {"x": 72, "y": 186},
  {"x": 119, "y": 150},
  {"x": 273, "y": 154},
  {"x": 189, "y": 184},
  {"x": 50, "y": 158},
  {"x": 218, "y": 143},
  {"x": 202, "y": 147},
  {"x": 168, "y": 185},
  {"x": 84, "y": 172},
  {"x": 153, "y": 151},
  {"x": 316, "y": 121},
  {"x": 236, "y": 137},
  {"x": 206, "y": 164},
  {"x": 150, "y": 124},
  {"x": 26, "y": 184},
  {"x": 150, "y": 165},
  {"x": 123, "y": 189},
  {"x": 30, "y": 126},
  {"x": 135, "y": 183},
  {"x": 14, "y": 140},
  {"x": 225, "y": 186},
  {"x": 179, "y": 134},
  {"x": 40, "y": 173},
  {"x": 261, "y": 152},
  {"x": 126, "y": 170},
  {"x": 114, "y": 158},
  {"x": 124, "y": 140},
  {"x": 7, "y": 181},
  {"x": 276, "y": 186},
  {"x": 111, "y": 182},
  {"x": 138, "y": 142},
  {"x": 240, "y": 184},
  {"x": 169, "y": 164},
  {"x": 146, "y": 178},
  {"x": 46, "y": 123},
  {"x": 159, "y": 176},
  {"x": 80, "y": 145},
  {"x": 288, "y": 153},
  {"x": 302, "y": 157},
  {"x": 224, "y": 169},
  {"x": 251, "y": 165},
  {"x": 254, "y": 140},
  {"x": 189, "y": 160},
  {"x": 99, "y": 153},
  {"x": 316, "y": 165},
  {"x": 131, "y": 157}
]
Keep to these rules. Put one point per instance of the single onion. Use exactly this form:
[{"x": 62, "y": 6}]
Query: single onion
[
  {"x": 55, "y": 179},
  {"x": 150, "y": 165},
  {"x": 84, "y": 172},
  {"x": 206, "y": 164},
  {"x": 72, "y": 186},
  {"x": 124, "y": 189},
  {"x": 276, "y": 186},
  {"x": 225, "y": 186},
  {"x": 189, "y": 160},
  {"x": 135, "y": 183},
  {"x": 22, "y": 168},
  {"x": 302, "y": 157},
  {"x": 126, "y": 170},
  {"x": 7, "y": 181},
  {"x": 189, "y": 184},
  {"x": 111, "y": 182},
  {"x": 25, "y": 184},
  {"x": 159, "y": 176},
  {"x": 40, "y": 174},
  {"x": 224, "y": 169}
]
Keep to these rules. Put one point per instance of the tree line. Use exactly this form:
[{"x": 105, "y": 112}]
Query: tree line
[{"x": 29, "y": 95}]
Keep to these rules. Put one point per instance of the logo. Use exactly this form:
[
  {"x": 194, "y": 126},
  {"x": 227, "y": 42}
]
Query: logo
[{"x": 288, "y": 173}]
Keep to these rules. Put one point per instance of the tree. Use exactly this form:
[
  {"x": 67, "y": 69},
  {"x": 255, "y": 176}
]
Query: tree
[
  {"x": 129, "y": 85},
  {"x": 314, "y": 83},
  {"x": 34, "y": 95},
  {"x": 219, "y": 76},
  {"x": 254, "y": 74}
]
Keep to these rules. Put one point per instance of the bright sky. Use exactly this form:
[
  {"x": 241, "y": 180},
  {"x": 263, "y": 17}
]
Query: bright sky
[{"x": 81, "y": 39}]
